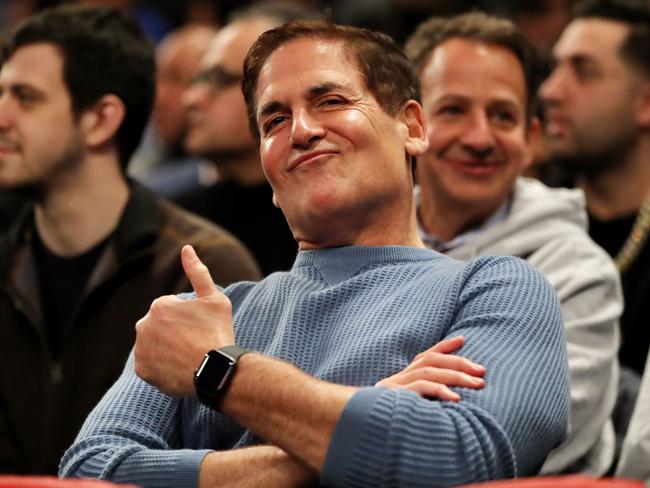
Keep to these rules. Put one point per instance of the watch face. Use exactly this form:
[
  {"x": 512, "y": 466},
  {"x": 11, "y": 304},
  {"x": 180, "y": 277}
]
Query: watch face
[{"x": 213, "y": 371}]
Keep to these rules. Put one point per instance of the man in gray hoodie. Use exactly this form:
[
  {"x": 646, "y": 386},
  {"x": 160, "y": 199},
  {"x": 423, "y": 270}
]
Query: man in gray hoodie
[{"x": 479, "y": 80}]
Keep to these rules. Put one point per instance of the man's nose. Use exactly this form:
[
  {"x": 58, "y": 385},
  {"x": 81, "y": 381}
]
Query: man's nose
[
  {"x": 305, "y": 129},
  {"x": 478, "y": 135},
  {"x": 5, "y": 115},
  {"x": 194, "y": 96},
  {"x": 551, "y": 90}
]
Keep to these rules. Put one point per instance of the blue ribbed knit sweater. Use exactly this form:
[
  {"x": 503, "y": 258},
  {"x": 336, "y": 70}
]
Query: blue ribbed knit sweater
[{"x": 354, "y": 315}]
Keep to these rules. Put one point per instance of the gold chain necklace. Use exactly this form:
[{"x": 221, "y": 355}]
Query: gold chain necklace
[{"x": 637, "y": 238}]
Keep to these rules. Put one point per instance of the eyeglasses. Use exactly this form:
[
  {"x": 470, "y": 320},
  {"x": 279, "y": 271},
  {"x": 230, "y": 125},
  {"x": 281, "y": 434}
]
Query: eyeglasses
[{"x": 217, "y": 77}]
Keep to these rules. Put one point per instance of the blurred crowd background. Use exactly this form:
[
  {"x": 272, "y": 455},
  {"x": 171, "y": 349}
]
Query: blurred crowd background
[{"x": 541, "y": 20}]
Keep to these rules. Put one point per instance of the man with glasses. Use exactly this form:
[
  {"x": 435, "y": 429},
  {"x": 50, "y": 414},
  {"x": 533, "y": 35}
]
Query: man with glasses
[
  {"x": 241, "y": 201},
  {"x": 161, "y": 162}
]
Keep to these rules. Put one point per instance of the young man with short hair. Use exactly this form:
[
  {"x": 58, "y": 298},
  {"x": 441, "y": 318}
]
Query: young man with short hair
[{"x": 82, "y": 263}]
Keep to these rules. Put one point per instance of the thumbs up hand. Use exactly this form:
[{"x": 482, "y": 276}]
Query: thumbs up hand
[
  {"x": 197, "y": 273},
  {"x": 173, "y": 337}
]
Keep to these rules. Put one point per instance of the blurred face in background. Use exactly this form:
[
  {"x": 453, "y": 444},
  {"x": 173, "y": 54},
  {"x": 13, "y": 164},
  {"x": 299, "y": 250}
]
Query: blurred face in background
[
  {"x": 178, "y": 59},
  {"x": 217, "y": 120},
  {"x": 591, "y": 96}
]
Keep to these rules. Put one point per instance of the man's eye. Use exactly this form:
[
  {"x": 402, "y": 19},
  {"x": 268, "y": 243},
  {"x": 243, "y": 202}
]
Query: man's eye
[
  {"x": 25, "y": 98},
  {"x": 504, "y": 116},
  {"x": 272, "y": 123},
  {"x": 584, "y": 73},
  {"x": 450, "y": 110},
  {"x": 332, "y": 101}
]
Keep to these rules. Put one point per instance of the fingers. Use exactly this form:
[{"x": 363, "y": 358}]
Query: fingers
[
  {"x": 446, "y": 361},
  {"x": 433, "y": 375},
  {"x": 445, "y": 346},
  {"x": 429, "y": 389},
  {"x": 434, "y": 390},
  {"x": 448, "y": 346},
  {"x": 197, "y": 273}
]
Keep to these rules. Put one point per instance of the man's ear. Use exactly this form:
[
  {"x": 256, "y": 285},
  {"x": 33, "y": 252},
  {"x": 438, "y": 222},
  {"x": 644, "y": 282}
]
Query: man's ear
[
  {"x": 643, "y": 111},
  {"x": 101, "y": 122},
  {"x": 533, "y": 139},
  {"x": 412, "y": 117}
]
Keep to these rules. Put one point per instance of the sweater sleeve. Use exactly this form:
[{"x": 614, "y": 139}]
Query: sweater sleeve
[
  {"x": 512, "y": 325},
  {"x": 133, "y": 436}
]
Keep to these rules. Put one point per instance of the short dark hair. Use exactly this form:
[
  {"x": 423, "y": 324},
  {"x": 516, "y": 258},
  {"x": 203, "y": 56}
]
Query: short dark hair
[
  {"x": 103, "y": 53},
  {"x": 384, "y": 67},
  {"x": 481, "y": 27},
  {"x": 636, "y": 14}
]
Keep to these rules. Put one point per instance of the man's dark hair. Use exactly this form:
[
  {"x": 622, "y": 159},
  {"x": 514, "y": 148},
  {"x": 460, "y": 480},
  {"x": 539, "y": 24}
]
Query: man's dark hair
[
  {"x": 384, "y": 67},
  {"x": 636, "y": 14},
  {"x": 480, "y": 27},
  {"x": 103, "y": 53}
]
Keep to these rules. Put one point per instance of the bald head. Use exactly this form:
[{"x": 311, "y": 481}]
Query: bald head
[{"x": 231, "y": 44}]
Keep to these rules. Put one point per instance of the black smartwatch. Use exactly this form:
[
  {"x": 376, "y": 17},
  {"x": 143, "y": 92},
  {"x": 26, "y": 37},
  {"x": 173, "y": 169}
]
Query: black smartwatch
[{"x": 214, "y": 373}]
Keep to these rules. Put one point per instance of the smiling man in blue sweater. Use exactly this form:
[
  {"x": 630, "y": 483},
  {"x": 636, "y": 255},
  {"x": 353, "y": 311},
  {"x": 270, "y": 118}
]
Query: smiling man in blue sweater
[{"x": 293, "y": 402}]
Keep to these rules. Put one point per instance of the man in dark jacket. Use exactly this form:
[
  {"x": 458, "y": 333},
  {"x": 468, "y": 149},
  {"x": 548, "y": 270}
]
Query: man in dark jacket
[{"x": 85, "y": 259}]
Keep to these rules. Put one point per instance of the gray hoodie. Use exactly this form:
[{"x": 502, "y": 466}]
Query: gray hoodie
[{"x": 547, "y": 228}]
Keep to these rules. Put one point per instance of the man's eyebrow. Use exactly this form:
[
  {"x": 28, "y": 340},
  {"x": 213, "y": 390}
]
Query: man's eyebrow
[
  {"x": 269, "y": 108},
  {"x": 312, "y": 92},
  {"x": 575, "y": 59},
  {"x": 326, "y": 87},
  {"x": 582, "y": 59},
  {"x": 21, "y": 87}
]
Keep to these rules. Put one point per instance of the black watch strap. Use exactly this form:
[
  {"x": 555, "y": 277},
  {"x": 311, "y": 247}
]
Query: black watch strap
[{"x": 213, "y": 375}]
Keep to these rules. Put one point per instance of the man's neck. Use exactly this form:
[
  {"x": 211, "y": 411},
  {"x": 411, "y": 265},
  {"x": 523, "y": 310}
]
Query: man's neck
[
  {"x": 447, "y": 220},
  {"x": 79, "y": 210},
  {"x": 387, "y": 225},
  {"x": 244, "y": 169},
  {"x": 621, "y": 189}
]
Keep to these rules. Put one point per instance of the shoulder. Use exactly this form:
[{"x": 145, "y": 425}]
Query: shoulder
[
  {"x": 217, "y": 248},
  {"x": 187, "y": 226},
  {"x": 572, "y": 261},
  {"x": 534, "y": 190},
  {"x": 500, "y": 277},
  {"x": 536, "y": 206},
  {"x": 508, "y": 281},
  {"x": 498, "y": 266}
]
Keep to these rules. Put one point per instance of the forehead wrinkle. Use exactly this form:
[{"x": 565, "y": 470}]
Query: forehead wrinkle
[
  {"x": 497, "y": 88},
  {"x": 262, "y": 109}
]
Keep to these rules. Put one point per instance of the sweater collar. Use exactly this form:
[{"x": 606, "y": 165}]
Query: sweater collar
[{"x": 338, "y": 264}]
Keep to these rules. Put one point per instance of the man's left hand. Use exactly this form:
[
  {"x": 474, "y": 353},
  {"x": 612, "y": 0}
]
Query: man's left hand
[{"x": 172, "y": 339}]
